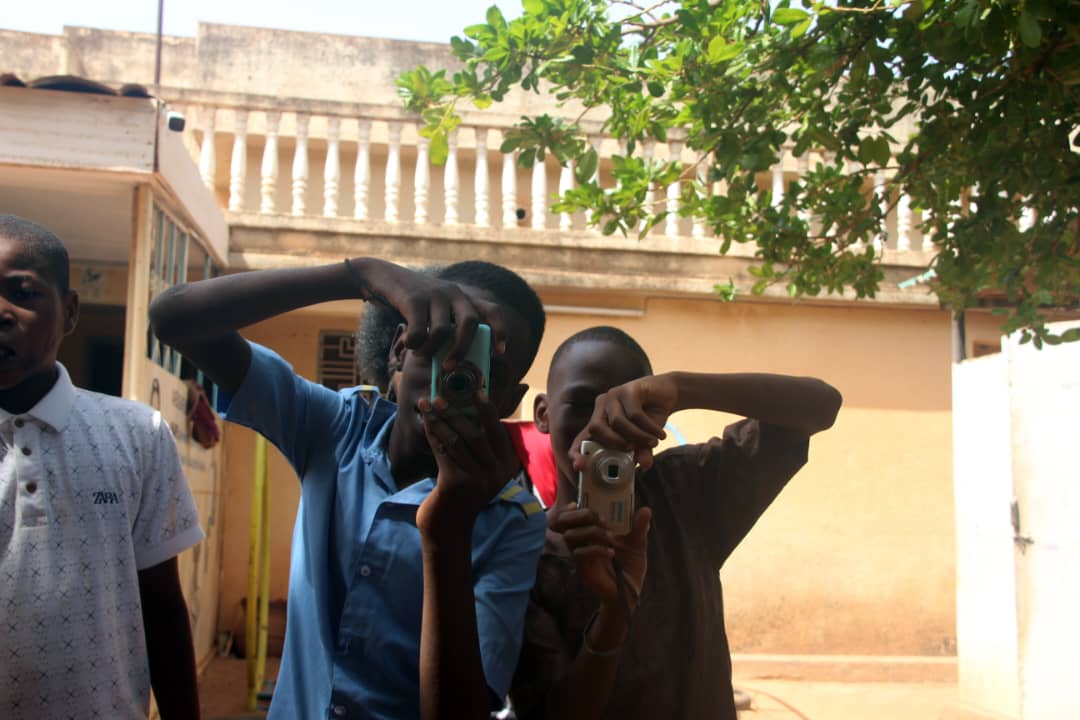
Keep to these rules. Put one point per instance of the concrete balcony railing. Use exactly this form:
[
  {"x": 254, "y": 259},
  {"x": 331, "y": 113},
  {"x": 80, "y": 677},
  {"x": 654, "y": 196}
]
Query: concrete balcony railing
[{"x": 343, "y": 170}]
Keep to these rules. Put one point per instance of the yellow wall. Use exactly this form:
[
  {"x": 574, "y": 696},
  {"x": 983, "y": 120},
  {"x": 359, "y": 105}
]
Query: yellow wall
[{"x": 857, "y": 555}]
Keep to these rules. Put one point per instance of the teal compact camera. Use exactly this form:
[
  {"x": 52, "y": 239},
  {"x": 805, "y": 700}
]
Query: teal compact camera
[{"x": 459, "y": 385}]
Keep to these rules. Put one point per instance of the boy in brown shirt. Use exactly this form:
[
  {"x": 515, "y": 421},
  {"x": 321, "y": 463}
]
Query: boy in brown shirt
[{"x": 658, "y": 649}]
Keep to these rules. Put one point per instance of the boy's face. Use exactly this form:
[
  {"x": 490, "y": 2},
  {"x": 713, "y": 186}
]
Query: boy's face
[
  {"x": 34, "y": 318},
  {"x": 584, "y": 371},
  {"x": 412, "y": 378}
]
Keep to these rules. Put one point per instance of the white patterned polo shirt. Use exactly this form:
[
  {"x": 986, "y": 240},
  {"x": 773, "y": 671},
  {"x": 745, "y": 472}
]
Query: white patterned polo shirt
[{"x": 91, "y": 492}]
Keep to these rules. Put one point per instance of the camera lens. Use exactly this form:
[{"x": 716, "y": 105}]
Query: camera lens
[
  {"x": 613, "y": 471},
  {"x": 459, "y": 385}
]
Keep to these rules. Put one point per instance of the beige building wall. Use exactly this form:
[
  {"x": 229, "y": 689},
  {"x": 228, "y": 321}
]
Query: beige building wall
[{"x": 858, "y": 554}]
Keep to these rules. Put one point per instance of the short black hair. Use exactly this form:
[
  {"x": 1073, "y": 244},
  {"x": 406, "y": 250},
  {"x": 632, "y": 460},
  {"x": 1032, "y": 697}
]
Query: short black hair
[
  {"x": 508, "y": 289},
  {"x": 45, "y": 250},
  {"x": 378, "y": 324},
  {"x": 608, "y": 334},
  {"x": 374, "y": 335}
]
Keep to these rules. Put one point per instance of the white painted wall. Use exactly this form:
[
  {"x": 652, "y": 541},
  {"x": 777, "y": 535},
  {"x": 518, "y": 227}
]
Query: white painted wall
[
  {"x": 1045, "y": 399},
  {"x": 1016, "y": 429},
  {"x": 986, "y": 631}
]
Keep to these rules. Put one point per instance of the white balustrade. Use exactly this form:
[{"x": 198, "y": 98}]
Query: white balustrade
[
  {"x": 539, "y": 195},
  {"x": 480, "y": 180},
  {"x": 648, "y": 149},
  {"x": 393, "y": 170},
  {"x": 802, "y": 165},
  {"x": 300, "y": 165},
  {"x": 332, "y": 169},
  {"x": 450, "y": 179},
  {"x": 208, "y": 152},
  {"x": 671, "y": 224},
  {"x": 509, "y": 190},
  {"x": 698, "y": 229},
  {"x": 1027, "y": 219},
  {"x": 596, "y": 141},
  {"x": 421, "y": 179},
  {"x": 909, "y": 229},
  {"x": 269, "y": 169},
  {"x": 903, "y": 221},
  {"x": 566, "y": 184},
  {"x": 778, "y": 181},
  {"x": 238, "y": 165},
  {"x": 362, "y": 173}
]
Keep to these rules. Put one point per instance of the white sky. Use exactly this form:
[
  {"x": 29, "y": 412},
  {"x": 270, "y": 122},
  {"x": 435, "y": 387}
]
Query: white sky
[{"x": 430, "y": 20}]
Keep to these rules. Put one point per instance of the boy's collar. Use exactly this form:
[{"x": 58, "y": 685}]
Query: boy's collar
[{"x": 52, "y": 409}]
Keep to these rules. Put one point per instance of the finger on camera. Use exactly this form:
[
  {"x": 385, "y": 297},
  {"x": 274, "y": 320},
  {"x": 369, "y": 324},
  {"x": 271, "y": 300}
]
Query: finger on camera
[
  {"x": 604, "y": 435},
  {"x": 416, "y": 313},
  {"x": 632, "y": 434},
  {"x": 591, "y": 535},
  {"x": 628, "y": 417},
  {"x": 644, "y": 457},
  {"x": 465, "y": 321},
  {"x": 495, "y": 317},
  {"x": 636, "y": 414},
  {"x": 582, "y": 517},
  {"x": 440, "y": 328},
  {"x": 594, "y": 552}
]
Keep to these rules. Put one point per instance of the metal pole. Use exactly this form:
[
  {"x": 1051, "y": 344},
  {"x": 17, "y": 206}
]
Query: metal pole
[
  {"x": 157, "y": 59},
  {"x": 255, "y": 565}
]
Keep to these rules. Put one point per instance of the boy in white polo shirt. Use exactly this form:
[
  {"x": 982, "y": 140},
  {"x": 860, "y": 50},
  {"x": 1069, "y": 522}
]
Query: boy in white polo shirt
[{"x": 93, "y": 512}]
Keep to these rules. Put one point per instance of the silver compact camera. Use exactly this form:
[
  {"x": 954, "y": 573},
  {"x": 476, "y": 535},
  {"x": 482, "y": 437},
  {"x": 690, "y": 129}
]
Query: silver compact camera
[{"x": 606, "y": 485}]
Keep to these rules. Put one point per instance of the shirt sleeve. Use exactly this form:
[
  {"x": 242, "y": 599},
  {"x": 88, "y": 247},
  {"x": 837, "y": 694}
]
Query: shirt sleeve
[
  {"x": 167, "y": 522},
  {"x": 502, "y": 594},
  {"x": 731, "y": 481},
  {"x": 291, "y": 412}
]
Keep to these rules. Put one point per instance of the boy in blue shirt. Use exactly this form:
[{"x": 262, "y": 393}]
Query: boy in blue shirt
[{"x": 411, "y": 566}]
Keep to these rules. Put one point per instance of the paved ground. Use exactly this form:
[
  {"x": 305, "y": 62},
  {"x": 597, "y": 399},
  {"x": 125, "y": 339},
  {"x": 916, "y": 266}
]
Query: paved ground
[
  {"x": 795, "y": 700},
  {"x": 223, "y": 692}
]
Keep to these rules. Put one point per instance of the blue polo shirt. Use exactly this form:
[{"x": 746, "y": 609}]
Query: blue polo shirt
[{"x": 352, "y": 640}]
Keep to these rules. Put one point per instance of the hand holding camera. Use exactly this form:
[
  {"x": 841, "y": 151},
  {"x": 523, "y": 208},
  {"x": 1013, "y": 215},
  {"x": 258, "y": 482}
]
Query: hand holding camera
[
  {"x": 474, "y": 455},
  {"x": 630, "y": 418},
  {"x": 594, "y": 546},
  {"x": 437, "y": 313}
]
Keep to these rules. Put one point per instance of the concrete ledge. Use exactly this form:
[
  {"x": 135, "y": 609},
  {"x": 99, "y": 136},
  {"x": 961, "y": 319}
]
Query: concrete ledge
[{"x": 846, "y": 668}]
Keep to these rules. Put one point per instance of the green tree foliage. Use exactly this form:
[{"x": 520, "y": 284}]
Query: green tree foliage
[{"x": 966, "y": 105}]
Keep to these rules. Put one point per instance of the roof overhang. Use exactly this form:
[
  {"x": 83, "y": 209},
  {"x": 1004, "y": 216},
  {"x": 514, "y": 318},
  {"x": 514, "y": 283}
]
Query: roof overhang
[{"x": 78, "y": 156}]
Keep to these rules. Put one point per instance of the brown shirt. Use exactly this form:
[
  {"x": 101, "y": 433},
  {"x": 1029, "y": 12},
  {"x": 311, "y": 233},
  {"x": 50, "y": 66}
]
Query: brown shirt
[{"x": 675, "y": 663}]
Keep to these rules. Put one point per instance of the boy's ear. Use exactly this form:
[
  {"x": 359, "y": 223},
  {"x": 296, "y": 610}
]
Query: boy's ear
[
  {"x": 540, "y": 413},
  {"x": 512, "y": 399},
  {"x": 396, "y": 358},
  {"x": 71, "y": 312}
]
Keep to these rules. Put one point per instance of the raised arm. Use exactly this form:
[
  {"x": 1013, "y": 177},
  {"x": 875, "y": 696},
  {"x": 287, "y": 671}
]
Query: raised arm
[
  {"x": 202, "y": 319},
  {"x": 632, "y": 416},
  {"x": 476, "y": 460}
]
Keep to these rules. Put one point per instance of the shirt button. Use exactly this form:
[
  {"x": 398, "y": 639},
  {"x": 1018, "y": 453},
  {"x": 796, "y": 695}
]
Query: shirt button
[
  {"x": 27, "y": 451},
  {"x": 338, "y": 710},
  {"x": 19, "y": 423},
  {"x": 365, "y": 570},
  {"x": 31, "y": 487}
]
